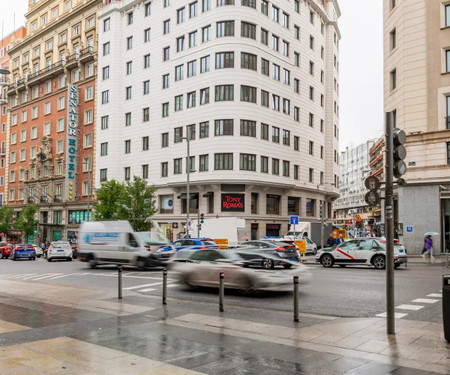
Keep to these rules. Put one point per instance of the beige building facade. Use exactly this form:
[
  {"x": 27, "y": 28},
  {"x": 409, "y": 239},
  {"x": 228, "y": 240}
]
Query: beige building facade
[{"x": 417, "y": 90}]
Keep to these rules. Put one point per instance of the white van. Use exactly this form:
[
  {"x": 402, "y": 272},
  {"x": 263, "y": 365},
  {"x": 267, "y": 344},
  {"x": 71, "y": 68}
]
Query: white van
[{"x": 114, "y": 242}]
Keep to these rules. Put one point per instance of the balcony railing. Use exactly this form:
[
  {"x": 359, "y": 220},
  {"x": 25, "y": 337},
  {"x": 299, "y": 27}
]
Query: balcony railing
[
  {"x": 44, "y": 199},
  {"x": 57, "y": 198},
  {"x": 31, "y": 200}
]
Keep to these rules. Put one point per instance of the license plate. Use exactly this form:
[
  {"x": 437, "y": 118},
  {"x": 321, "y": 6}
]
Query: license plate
[
  {"x": 60, "y": 251},
  {"x": 293, "y": 259}
]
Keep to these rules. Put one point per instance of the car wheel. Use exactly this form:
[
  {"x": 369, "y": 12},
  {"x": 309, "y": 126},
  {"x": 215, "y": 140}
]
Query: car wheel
[
  {"x": 92, "y": 262},
  {"x": 396, "y": 265},
  {"x": 267, "y": 264},
  {"x": 69, "y": 259},
  {"x": 187, "y": 280},
  {"x": 379, "y": 262},
  {"x": 49, "y": 259},
  {"x": 342, "y": 265},
  {"x": 141, "y": 264},
  {"x": 287, "y": 265},
  {"x": 327, "y": 260},
  {"x": 13, "y": 258},
  {"x": 33, "y": 258}
]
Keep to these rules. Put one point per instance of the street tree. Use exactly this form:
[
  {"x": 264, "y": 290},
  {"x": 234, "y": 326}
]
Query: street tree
[
  {"x": 139, "y": 204},
  {"x": 110, "y": 201},
  {"x": 27, "y": 220},
  {"x": 6, "y": 219}
]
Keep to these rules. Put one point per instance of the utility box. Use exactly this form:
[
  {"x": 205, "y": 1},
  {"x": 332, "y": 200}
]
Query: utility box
[{"x": 446, "y": 305}]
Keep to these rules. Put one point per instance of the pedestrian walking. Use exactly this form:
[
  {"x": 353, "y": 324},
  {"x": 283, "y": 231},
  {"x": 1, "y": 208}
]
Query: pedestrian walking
[
  {"x": 330, "y": 241},
  {"x": 339, "y": 240},
  {"x": 428, "y": 248}
]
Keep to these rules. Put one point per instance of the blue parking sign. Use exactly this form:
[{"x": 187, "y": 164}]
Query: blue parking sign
[
  {"x": 293, "y": 220},
  {"x": 409, "y": 229}
]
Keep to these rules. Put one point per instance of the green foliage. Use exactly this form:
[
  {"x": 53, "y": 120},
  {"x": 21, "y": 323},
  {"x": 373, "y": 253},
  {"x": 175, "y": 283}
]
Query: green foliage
[
  {"x": 27, "y": 221},
  {"x": 133, "y": 201},
  {"x": 6, "y": 219}
]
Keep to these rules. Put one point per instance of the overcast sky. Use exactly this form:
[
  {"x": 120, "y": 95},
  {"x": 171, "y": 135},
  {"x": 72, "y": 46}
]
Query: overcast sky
[{"x": 361, "y": 65}]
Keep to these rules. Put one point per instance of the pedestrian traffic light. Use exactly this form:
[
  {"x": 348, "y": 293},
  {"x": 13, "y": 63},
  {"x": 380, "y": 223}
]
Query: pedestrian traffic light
[
  {"x": 399, "y": 152},
  {"x": 35, "y": 230},
  {"x": 202, "y": 218},
  {"x": 321, "y": 209}
]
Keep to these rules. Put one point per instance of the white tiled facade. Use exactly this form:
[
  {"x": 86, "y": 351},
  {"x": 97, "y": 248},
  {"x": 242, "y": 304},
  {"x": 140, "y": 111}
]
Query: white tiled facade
[{"x": 308, "y": 35}]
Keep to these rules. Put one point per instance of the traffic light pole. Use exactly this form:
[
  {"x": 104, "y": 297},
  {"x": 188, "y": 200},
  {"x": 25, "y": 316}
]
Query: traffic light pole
[
  {"x": 389, "y": 225},
  {"x": 198, "y": 223}
]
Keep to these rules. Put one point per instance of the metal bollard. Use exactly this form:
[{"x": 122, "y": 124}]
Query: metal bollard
[
  {"x": 164, "y": 291},
  {"x": 120, "y": 282},
  {"x": 296, "y": 299},
  {"x": 446, "y": 259},
  {"x": 221, "y": 290}
]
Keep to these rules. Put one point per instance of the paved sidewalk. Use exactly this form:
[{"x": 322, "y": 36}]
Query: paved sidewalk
[{"x": 56, "y": 329}]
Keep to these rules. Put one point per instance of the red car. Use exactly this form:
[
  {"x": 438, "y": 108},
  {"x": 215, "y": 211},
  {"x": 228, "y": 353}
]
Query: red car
[{"x": 5, "y": 249}]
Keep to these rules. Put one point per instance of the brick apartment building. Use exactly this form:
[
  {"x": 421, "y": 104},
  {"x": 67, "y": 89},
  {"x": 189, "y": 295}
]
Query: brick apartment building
[{"x": 50, "y": 130}]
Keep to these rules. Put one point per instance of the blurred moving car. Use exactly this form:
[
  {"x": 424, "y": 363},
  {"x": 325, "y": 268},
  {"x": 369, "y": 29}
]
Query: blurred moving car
[
  {"x": 279, "y": 248},
  {"x": 5, "y": 249},
  {"x": 311, "y": 247},
  {"x": 202, "y": 268},
  {"x": 193, "y": 243},
  {"x": 368, "y": 251},
  {"x": 38, "y": 249},
  {"x": 59, "y": 250},
  {"x": 23, "y": 250}
]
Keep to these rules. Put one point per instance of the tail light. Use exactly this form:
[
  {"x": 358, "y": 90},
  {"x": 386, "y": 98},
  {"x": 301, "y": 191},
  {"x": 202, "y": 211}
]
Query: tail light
[
  {"x": 279, "y": 249},
  {"x": 202, "y": 248}
]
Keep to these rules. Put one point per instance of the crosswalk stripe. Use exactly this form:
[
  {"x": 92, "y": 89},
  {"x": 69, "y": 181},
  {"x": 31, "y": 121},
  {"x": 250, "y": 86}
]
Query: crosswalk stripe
[
  {"x": 146, "y": 290},
  {"x": 397, "y": 315},
  {"x": 142, "y": 286},
  {"x": 438, "y": 295},
  {"x": 425, "y": 300},
  {"x": 46, "y": 276},
  {"x": 410, "y": 307}
]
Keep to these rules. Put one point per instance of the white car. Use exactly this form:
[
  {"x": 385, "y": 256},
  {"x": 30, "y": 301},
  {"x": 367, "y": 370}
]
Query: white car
[
  {"x": 59, "y": 250},
  {"x": 38, "y": 250},
  {"x": 361, "y": 251}
]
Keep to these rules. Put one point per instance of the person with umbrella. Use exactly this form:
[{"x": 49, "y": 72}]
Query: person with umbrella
[{"x": 428, "y": 245}]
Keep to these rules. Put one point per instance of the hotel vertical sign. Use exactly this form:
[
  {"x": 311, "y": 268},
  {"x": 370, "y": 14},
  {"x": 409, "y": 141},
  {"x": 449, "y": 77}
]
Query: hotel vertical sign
[{"x": 72, "y": 142}]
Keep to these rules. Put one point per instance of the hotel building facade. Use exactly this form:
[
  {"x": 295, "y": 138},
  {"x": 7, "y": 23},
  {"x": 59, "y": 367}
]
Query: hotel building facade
[{"x": 253, "y": 86}]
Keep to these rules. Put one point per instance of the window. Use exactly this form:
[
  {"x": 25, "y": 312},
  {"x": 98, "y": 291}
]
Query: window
[
  {"x": 276, "y": 72},
  {"x": 275, "y": 166},
  {"x": 192, "y": 39},
  {"x": 275, "y": 102},
  {"x": 145, "y": 114},
  {"x": 105, "y": 97},
  {"x": 34, "y": 133},
  {"x": 178, "y": 134},
  {"x": 104, "y": 149},
  {"x": 265, "y": 131},
  {"x": 128, "y": 92},
  {"x": 129, "y": 42},
  {"x": 311, "y": 93},
  {"x": 248, "y": 30},
  {"x": 311, "y": 68},
  {"x": 223, "y": 127},
  {"x": 164, "y": 169},
  {"x": 224, "y": 93},
  {"x": 311, "y": 120},
  {"x": 177, "y": 166},
  {"x": 47, "y": 128},
  {"x": 191, "y": 99},
  {"x": 285, "y": 48},
  {"x": 106, "y": 49},
  {"x": 204, "y": 64},
  {"x": 179, "y": 72},
  {"x": 165, "y": 140},
  {"x": 393, "y": 73},
  {"x": 248, "y": 94},
  {"x": 88, "y": 140},
  {"x": 88, "y": 116},
  {"x": 286, "y": 168},
  {"x": 165, "y": 81},
  {"x": 296, "y": 86},
  {"x": 146, "y": 87},
  {"x": 311, "y": 175},
  {"x": 129, "y": 67},
  {"x": 180, "y": 44},
  {"x": 225, "y": 28},
  {"x": 264, "y": 37},
  {"x": 311, "y": 148},
  {"x": 23, "y": 136},
  {"x": 13, "y": 157},
  {"x": 206, "y": 33},
  {"x": 192, "y": 68},
  {"x": 146, "y": 61},
  {"x": 264, "y": 164},
  {"x": 88, "y": 95},
  {"x": 448, "y": 152},
  {"x": 447, "y": 15},
  {"x": 286, "y": 137},
  {"x": 264, "y": 98},
  {"x": 275, "y": 134},
  {"x": 193, "y": 9},
  {"x": 224, "y": 60},
  {"x": 286, "y": 77},
  {"x": 204, "y": 129},
  {"x": 103, "y": 175},
  {"x": 206, "y": 5},
  {"x": 23, "y": 152},
  {"x": 145, "y": 171},
  {"x": 128, "y": 119},
  {"x": 286, "y": 20},
  {"x": 275, "y": 14},
  {"x": 393, "y": 38},
  {"x": 275, "y": 42},
  {"x": 265, "y": 67},
  {"x": 223, "y": 161},
  {"x": 104, "y": 122},
  {"x": 127, "y": 146},
  {"x": 147, "y": 9},
  {"x": 127, "y": 173},
  {"x": 248, "y": 128},
  {"x": 178, "y": 103},
  {"x": 165, "y": 109},
  {"x": 247, "y": 162},
  {"x": 147, "y": 35},
  {"x": 249, "y": 61},
  {"x": 34, "y": 113},
  {"x": 181, "y": 15},
  {"x": 106, "y": 25},
  {"x": 296, "y": 59},
  {"x": 166, "y": 26},
  {"x": 203, "y": 164},
  {"x": 265, "y": 7},
  {"x": 190, "y": 132}
]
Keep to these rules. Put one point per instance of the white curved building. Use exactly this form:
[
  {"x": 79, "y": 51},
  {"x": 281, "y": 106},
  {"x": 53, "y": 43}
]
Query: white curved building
[{"x": 253, "y": 84}]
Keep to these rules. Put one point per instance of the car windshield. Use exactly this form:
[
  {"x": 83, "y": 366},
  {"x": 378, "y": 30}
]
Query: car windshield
[
  {"x": 61, "y": 245},
  {"x": 153, "y": 237}
]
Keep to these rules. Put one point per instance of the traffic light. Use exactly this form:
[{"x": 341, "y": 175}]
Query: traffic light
[
  {"x": 399, "y": 152},
  {"x": 321, "y": 209},
  {"x": 35, "y": 230},
  {"x": 202, "y": 218}
]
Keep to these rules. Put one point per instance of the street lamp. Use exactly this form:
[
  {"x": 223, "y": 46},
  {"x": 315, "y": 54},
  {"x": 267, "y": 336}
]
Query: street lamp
[
  {"x": 187, "y": 188},
  {"x": 87, "y": 164},
  {"x": 322, "y": 214}
]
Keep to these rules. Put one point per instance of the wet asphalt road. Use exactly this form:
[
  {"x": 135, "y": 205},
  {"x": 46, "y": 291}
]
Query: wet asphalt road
[{"x": 342, "y": 292}]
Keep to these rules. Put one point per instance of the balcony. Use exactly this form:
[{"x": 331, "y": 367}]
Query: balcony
[
  {"x": 57, "y": 198},
  {"x": 43, "y": 74},
  {"x": 87, "y": 54},
  {"x": 30, "y": 200},
  {"x": 44, "y": 199}
]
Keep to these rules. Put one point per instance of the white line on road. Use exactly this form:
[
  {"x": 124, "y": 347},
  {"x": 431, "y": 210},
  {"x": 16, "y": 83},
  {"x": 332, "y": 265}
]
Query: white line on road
[
  {"x": 142, "y": 286},
  {"x": 410, "y": 307},
  {"x": 47, "y": 276},
  {"x": 31, "y": 276},
  {"x": 172, "y": 285},
  {"x": 146, "y": 290},
  {"x": 438, "y": 295},
  {"x": 425, "y": 300},
  {"x": 64, "y": 275},
  {"x": 397, "y": 315}
]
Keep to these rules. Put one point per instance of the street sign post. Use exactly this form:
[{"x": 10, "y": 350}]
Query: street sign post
[{"x": 294, "y": 220}]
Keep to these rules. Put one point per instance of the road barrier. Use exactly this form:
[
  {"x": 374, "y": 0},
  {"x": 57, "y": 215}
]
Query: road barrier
[
  {"x": 221, "y": 290},
  {"x": 296, "y": 299},
  {"x": 164, "y": 289},
  {"x": 119, "y": 284}
]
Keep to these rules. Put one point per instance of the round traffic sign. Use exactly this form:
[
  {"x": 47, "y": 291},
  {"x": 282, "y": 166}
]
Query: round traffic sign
[{"x": 372, "y": 198}]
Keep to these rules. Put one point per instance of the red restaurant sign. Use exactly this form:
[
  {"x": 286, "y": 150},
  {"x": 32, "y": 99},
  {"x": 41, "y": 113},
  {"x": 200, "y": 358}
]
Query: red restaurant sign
[{"x": 233, "y": 202}]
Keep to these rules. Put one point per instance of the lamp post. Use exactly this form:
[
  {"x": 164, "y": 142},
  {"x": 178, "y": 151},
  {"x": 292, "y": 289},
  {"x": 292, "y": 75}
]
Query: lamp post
[
  {"x": 87, "y": 163},
  {"x": 188, "y": 193}
]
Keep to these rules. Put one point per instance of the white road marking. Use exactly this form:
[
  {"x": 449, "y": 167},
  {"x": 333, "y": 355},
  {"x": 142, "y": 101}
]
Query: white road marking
[
  {"x": 47, "y": 276},
  {"x": 172, "y": 285},
  {"x": 31, "y": 276},
  {"x": 410, "y": 307},
  {"x": 64, "y": 275},
  {"x": 438, "y": 295},
  {"x": 396, "y": 315},
  {"x": 146, "y": 290},
  {"x": 142, "y": 286},
  {"x": 425, "y": 300}
]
